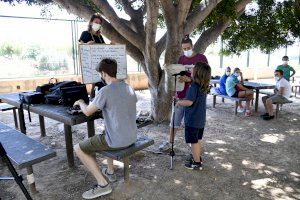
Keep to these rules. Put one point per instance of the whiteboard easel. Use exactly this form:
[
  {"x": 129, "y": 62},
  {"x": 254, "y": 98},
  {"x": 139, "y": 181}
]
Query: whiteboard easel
[{"x": 91, "y": 55}]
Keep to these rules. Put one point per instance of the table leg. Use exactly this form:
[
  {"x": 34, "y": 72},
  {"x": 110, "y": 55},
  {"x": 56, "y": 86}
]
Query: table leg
[
  {"x": 30, "y": 179},
  {"x": 69, "y": 145},
  {"x": 214, "y": 101},
  {"x": 91, "y": 128},
  {"x": 126, "y": 169},
  {"x": 15, "y": 118},
  {"x": 256, "y": 99},
  {"x": 42, "y": 126},
  {"x": 22, "y": 120}
]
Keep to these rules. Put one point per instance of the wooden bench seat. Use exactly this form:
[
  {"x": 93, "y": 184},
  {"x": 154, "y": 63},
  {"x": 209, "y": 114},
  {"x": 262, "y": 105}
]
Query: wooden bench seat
[
  {"x": 23, "y": 151},
  {"x": 236, "y": 99},
  {"x": 6, "y": 107},
  {"x": 142, "y": 142}
]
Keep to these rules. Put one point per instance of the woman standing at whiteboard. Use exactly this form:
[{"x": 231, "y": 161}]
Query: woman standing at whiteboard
[{"x": 93, "y": 34}]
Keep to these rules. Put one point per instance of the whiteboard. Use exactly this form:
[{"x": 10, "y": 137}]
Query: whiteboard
[{"x": 91, "y": 55}]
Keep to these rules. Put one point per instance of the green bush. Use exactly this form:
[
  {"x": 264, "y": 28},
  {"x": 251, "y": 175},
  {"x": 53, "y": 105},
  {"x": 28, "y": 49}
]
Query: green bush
[
  {"x": 46, "y": 64},
  {"x": 8, "y": 50},
  {"x": 33, "y": 52}
]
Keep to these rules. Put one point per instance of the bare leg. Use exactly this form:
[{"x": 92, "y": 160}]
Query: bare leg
[
  {"x": 196, "y": 150},
  {"x": 90, "y": 163},
  {"x": 264, "y": 99},
  {"x": 269, "y": 107},
  {"x": 110, "y": 165}
]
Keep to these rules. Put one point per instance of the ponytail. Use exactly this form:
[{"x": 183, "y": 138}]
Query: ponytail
[{"x": 186, "y": 39}]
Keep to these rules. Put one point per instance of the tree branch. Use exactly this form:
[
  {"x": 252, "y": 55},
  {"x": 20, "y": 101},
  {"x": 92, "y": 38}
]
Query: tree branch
[
  {"x": 161, "y": 45},
  {"x": 150, "y": 50},
  {"x": 212, "y": 34},
  {"x": 124, "y": 30},
  {"x": 168, "y": 12},
  {"x": 183, "y": 10},
  {"x": 199, "y": 14}
]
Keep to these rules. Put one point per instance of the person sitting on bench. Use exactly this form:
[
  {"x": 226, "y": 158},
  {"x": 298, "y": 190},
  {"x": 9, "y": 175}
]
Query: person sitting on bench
[
  {"x": 234, "y": 88},
  {"x": 117, "y": 100},
  {"x": 281, "y": 94},
  {"x": 222, "y": 89}
]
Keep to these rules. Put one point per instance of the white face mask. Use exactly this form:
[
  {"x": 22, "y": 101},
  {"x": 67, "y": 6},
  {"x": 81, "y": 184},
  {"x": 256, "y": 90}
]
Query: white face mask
[
  {"x": 227, "y": 73},
  {"x": 285, "y": 62},
  {"x": 96, "y": 27},
  {"x": 237, "y": 74},
  {"x": 188, "y": 53},
  {"x": 276, "y": 78}
]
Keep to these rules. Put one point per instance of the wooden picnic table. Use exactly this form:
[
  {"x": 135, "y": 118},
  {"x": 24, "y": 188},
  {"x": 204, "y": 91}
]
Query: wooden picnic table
[
  {"x": 55, "y": 112},
  {"x": 258, "y": 86}
]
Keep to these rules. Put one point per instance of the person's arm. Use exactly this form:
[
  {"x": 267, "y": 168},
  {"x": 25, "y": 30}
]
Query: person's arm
[
  {"x": 184, "y": 102},
  {"x": 88, "y": 110},
  {"x": 280, "y": 91},
  {"x": 294, "y": 72},
  {"x": 242, "y": 87},
  {"x": 185, "y": 78}
]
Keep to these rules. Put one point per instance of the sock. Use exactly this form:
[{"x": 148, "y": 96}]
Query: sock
[{"x": 109, "y": 172}]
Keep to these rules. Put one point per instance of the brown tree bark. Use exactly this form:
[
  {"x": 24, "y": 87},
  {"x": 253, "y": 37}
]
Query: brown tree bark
[{"x": 139, "y": 35}]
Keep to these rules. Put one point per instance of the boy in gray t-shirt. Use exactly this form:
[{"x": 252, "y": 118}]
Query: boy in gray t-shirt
[{"x": 117, "y": 100}]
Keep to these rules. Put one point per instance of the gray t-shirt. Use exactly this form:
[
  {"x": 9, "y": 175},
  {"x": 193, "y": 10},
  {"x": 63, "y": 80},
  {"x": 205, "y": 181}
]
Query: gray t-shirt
[{"x": 118, "y": 104}]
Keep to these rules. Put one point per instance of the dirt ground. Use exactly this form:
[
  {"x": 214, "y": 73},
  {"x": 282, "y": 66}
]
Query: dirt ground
[{"x": 245, "y": 158}]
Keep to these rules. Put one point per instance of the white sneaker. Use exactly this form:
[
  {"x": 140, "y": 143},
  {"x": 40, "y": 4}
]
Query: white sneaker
[
  {"x": 165, "y": 146},
  {"x": 97, "y": 191},
  {"x": 110, "y": 177},
  {"x": 241, "y": 110}
]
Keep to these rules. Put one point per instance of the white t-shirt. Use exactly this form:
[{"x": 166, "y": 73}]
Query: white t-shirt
[{"x": 286, "y": 85}]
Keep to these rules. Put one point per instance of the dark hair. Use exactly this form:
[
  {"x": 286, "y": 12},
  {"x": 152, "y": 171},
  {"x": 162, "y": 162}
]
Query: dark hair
[
  {"x": 94, "y": 16},
  {"x": 108, "y": 66},
  {"x": 201, "y": 76},
  {"x": 279, "y": 71},
  {"x": 236, "y": 69},
  {"x": 285, "y": 58},
  {"x": 186, "y": 39}
]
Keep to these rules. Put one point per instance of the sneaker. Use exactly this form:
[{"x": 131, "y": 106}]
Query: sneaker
[
  {"x": 264, "y": 115},
  {"x": 190, "y": 159},
  {"x": 97, "y": 191},
  {"x": 268, "y": 117},
  {"x": 165, "y": 146},
  {"x": 241, "y": 110},
  {"x": 193, "y": 165},
  {"x": 110, "y": 177}
]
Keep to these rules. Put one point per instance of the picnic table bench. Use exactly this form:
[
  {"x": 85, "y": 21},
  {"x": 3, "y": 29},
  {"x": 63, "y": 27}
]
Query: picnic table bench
[
  {"x": 236, "y": 99},
  {"x": 6, "y": 107},
  {"x": 142, "y": 142},
  {"x": 23, "y": 151}
]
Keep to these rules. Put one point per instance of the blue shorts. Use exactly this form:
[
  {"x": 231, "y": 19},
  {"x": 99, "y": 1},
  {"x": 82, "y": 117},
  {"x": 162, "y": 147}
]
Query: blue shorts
[
  {"x": 179, "y": 114},
  {"x": 192, "y": 135}
]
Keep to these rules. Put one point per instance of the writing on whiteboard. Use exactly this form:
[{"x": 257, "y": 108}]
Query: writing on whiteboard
[{"x": 91, "y": 55}]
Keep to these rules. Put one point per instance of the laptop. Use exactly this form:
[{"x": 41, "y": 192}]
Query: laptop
[{"x": 73, "y": 93}]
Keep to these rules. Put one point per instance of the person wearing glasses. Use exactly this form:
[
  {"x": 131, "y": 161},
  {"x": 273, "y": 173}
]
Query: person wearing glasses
[
  {"x": 282, "y": 93},
  {"x": 117, "y": 100}
]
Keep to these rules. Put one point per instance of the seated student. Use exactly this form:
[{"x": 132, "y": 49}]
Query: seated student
[
  {"x": 282, "y": 93},
  {"x": 117, "y": 101},
  {"x": 234, "y": 88},
  {"x": 222, "y": 88}
]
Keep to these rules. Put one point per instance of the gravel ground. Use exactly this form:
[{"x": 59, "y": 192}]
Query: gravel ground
[{"x": 245, "y": 158}]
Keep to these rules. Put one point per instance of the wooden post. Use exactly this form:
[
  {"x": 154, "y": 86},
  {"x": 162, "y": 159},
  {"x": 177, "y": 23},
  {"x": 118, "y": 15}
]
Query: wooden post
[
  {"x": 277, "y": 110},
  {"x": 214, "y": 101},
  {"x": 69, "y": 145},
  {"x": 22, "y": 120},
  {"x": 42, "y": 126},
  {"x": 15, "y": 118},
  {"x": 30, "y": 179},
  {"x": 91, "y": 128},
  {"x": 126, "y": 169}
]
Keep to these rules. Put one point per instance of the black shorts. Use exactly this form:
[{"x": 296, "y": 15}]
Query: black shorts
[
  {"x": 192, "y": 135},
  {"x": 236, "y": 94}
]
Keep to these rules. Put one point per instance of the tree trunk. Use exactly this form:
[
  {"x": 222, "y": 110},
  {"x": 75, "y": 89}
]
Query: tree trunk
[{"x": 161, "y": 100}]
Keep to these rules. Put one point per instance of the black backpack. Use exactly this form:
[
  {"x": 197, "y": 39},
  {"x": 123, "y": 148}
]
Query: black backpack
[{"x": 54, "y": 95}]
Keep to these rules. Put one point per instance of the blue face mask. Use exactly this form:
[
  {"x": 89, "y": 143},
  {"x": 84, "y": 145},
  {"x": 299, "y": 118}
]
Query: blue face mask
[{"x": 236, "y": 74}]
